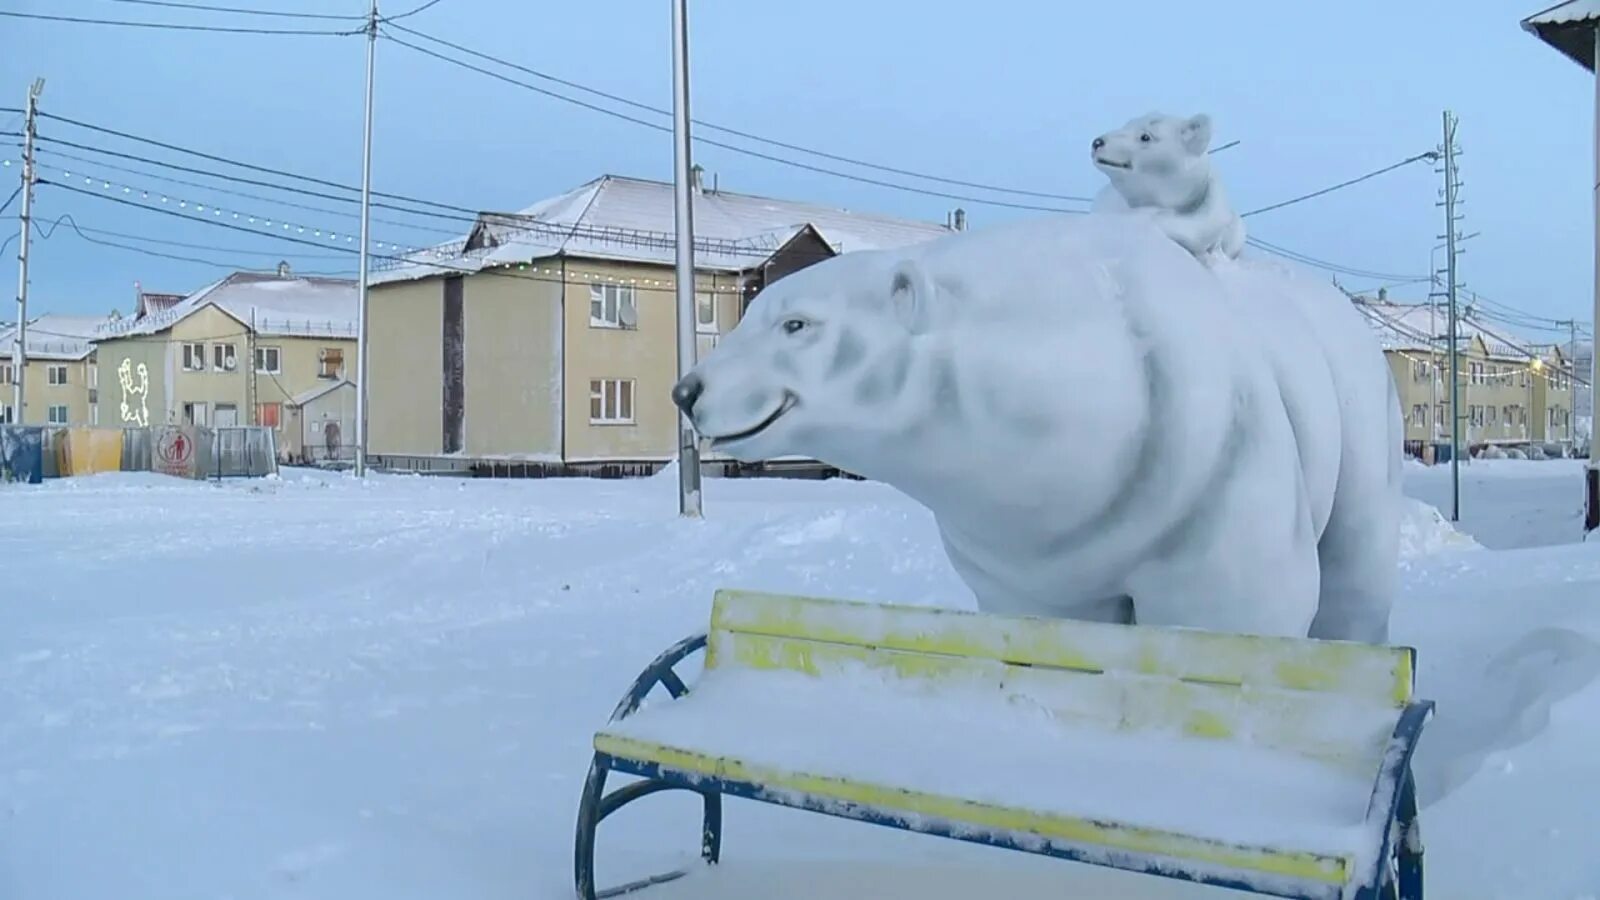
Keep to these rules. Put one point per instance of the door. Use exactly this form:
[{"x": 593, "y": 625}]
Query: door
[{"x": 227, "y": 415}]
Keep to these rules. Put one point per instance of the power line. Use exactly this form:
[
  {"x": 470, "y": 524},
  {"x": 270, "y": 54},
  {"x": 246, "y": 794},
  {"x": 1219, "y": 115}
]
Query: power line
[
  {"x": 10, "y": 198},
  {"x": 734, "y": 131},
  {"x": 171, "y": 26},
  {"x": 232, "y": 162},
  {"x": 245, "y": 194},
  {"x": 173, "y": 4},
  {"x": 736, "y": 149},
  {"x": 1326, "y": 265},
  {"x": 143, "y": 251},
  {"x": 1430, "y": 155},
  {"x": 407, "y": 15},
  {"x": 239, "y": 179}
]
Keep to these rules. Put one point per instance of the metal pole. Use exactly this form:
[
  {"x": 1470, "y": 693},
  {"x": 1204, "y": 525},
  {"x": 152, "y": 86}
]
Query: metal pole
[
  {"x": 19, "y": 353},
  {"x": 366, "y": 212},
  {"x": 683, "y": 218},
  {"x": 1453, "y": 345},
  {"x": 1591, "y": 516}
]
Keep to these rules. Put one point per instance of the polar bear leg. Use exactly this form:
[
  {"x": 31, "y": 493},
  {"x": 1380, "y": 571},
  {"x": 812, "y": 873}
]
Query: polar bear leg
[
  {"x": 1360, "y": 546},
  {"x": 1245, "y": 563}
]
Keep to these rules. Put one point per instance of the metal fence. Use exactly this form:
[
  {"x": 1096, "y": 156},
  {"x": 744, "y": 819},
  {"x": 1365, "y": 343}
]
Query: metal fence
[{"x": 185, "y": 451}]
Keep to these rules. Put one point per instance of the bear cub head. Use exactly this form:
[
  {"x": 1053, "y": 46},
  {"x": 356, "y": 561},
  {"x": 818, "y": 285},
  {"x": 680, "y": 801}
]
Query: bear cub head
[{"x": 1157, "y": 159}]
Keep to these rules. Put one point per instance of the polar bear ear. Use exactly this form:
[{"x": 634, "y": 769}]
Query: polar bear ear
[
  {"x": 909, "y": 291},
  {"x": 1196, "y": 133}
]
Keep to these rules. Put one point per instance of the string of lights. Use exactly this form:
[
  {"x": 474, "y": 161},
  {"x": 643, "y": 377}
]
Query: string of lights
[
  {"x": 344, "y": 214},
  {"x": 46, "y": 234},
  {"x": 68, "y": 219},
  {"x": 1534, "y": 365},
  {"x": 442, "y": 263}
]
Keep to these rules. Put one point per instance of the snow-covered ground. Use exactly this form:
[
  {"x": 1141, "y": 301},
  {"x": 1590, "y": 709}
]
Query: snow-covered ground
[{"x": 315, "y": 687}]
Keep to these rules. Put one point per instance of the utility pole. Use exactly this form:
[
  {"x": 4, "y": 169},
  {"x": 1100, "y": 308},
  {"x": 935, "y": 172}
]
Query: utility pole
[
  {"x": 366, "y": 212},
  {"x": 19, "y": 353},
  {"x": 683, "y": 223},
  {"x": 1572, "y": 363},
  {"x": 1451, "y": 185}
]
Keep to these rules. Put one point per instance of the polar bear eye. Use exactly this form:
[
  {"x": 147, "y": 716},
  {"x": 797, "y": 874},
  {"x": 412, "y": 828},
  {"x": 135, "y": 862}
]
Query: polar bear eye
[
  {"x": 790, "y": 326},
  {"x": 1145, "y": 137}
]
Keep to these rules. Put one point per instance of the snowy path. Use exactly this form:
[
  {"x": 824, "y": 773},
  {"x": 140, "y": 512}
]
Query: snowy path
[{"x": 316, "y": 688}]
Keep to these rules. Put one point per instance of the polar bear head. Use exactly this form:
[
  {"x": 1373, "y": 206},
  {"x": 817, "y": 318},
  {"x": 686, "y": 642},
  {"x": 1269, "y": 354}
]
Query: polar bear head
[
  {"x": 819, "y": 365},
  {"x": 1157, "y": 159}
]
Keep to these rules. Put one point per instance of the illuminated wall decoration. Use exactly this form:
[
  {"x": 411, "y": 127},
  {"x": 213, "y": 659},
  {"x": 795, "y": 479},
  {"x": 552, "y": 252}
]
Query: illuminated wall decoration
[{"x": 141, "y": 415}]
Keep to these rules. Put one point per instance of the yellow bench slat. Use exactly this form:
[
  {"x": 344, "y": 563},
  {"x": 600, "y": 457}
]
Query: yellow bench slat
[
  {"x": 1192, "y": 655},
  {"x": 1083, "y": 832}
]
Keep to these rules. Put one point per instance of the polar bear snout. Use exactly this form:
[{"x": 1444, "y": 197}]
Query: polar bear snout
[{"x": 686, "y": 392}]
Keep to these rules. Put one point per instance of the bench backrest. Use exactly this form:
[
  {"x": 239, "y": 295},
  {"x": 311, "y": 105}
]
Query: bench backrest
[{"x": 1332, "y": 701}]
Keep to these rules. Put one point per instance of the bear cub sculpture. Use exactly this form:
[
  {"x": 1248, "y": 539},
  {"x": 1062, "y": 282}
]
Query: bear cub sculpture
[{"x": 1158, "y": 165}]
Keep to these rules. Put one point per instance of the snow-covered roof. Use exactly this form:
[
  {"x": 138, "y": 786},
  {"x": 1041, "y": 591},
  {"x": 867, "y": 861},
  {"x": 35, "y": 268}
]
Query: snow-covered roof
[
  {"x": 278, "y": 305},
  {"x": 55, "y": 337},
  {"x": 1568, "y": 27},
  {"x": 310, "y": 394},
  {"x": 631, "y": 219},
  {"x": 1409, "y": 326}
]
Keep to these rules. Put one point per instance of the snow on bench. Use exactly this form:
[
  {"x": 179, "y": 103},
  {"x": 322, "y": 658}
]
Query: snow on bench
[{"x": 1270, "y": 765}]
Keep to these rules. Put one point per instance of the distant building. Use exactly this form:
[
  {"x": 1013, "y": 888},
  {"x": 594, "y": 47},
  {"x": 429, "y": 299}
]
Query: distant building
[
  {"x": 544, "y": 341},
  {"x": 59, "y": 383},
  {"x": 1510, "y": 392},
  {"x": 236, "y": 352}
]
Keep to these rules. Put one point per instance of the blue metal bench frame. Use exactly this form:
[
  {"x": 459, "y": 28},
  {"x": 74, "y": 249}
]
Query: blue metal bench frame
[{"x": 1398, "y": 868}]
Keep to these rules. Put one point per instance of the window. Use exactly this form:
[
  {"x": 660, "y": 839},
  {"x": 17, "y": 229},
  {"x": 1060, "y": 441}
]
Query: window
[
  {"x": 269, "y": 360},
  {"x": 56, "y": 375},
  {"x": 94, "y": 376},
  {"x": 1489, "y": 412},
  {"x": 1419, "y": 415},
  {"x": 6, "y": 418},
  {"x": 611, "y": 400},
  {"x": 268, "y": 414},
  {"x": 223, "y": 358},
  {"x": 705, "y": 313},
  {"x": 1438, "y": 415},
  {"x": 5, "y": 373},
  {"x": 612, "y": 306},
  {"x": 194, "y": 414},
  {"x": 194, "y": 357},
  {"x": 57, "y": 415},
  {"x": 1475, "y": 372},
  {"x": 330, "y": 361}
]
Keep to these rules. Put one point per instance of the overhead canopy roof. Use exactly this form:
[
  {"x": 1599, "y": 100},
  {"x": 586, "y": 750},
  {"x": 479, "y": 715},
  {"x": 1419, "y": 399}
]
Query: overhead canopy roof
[{"x": 1568, "y": 27}]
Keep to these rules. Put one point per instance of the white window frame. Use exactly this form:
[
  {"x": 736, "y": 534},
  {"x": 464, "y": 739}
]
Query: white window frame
[
  {"x": 609, "y": 392},
  {"x": 262, "y": 354},
  {"x": 613, "y": 306},
  {"x": 194, "y": 356},
  {"x": 199, "y": 407},
  {"x": 6, "y": 415},
  {"x": 224, "y": 357},
  {"x": 5, "y": 373},
  {"x": 51, "y": 417},
  {"x": 703, "y": 301},
  {"x": 93, "y": 375},
  {"x": 322, "y": 362},
  {"x": 56, "y": 374}
]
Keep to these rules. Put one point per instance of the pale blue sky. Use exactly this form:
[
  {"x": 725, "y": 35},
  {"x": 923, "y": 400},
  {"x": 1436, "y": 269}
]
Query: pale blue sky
[{"x": 1005, "y": 92}]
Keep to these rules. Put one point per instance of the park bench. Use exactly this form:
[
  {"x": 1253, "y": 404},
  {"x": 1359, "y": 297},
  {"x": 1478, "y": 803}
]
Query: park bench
[{"x": 1275, "y": 766}]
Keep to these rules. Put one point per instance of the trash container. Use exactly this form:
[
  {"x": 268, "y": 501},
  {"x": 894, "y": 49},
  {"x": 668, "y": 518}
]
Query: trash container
[{"x": 22, "y": 453}]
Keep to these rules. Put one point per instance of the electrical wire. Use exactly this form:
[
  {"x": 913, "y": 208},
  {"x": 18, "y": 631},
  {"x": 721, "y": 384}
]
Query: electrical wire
[
  {"x": 71, "y": 223},
  {"x": 232, "y": 162},
  {"x": 202, "y": 7},
  {"x": 9, "y": 199},
  {"x": 406, "y": 15},
  {"x": 736, "y": 132},
  {"x": 354, "y": 216},
  {"x": 732, "y": 147},
  {"x": 1314, "y": 262},
  {"x": 1343, "y": 184},
  {"x": 171, "y": 26}
]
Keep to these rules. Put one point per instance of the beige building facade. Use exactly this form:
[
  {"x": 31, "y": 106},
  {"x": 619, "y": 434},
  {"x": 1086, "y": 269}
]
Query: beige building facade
[
  {"x": 545, "y": 342},
  {"x": 60, "y": 376},
  {"x": 236, "y": 353}
]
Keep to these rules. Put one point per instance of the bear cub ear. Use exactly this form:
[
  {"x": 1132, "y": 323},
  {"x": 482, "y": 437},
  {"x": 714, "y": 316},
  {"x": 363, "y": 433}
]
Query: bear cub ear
[
  {"x": 1196, "y": 133},
  {"x": 910, "y": 291}
]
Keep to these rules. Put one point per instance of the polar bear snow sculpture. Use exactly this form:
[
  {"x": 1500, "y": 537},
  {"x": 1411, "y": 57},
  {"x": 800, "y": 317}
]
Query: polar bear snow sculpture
[
  {"x": 1088, "y": 448},
  {"x": 1158, "y": 165}
]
